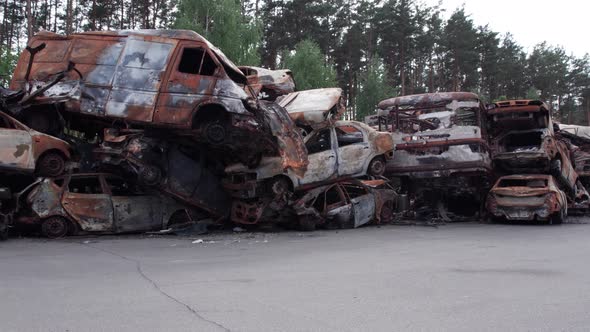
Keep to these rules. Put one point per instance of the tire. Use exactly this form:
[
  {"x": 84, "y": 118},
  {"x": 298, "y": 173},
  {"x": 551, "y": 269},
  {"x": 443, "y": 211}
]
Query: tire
[
  {"x": 214, "y": 132},
  {"x": 387, "y": 212},
  {"x": 307, "y": 223},
  {"x": 150, "y": 175},
  {"x": 376, "y": 167},
  {"x": 54, "y": 227},
  {"x": 557, "y": 218},
  {"x": 278, "y": 186},
  {"x": 51, "y": 164}
]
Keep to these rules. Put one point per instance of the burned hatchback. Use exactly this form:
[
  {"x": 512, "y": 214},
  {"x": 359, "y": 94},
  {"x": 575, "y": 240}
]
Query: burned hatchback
[{"x": 527, "y": 198}]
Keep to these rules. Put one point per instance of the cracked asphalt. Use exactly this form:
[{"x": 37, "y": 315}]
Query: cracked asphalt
[{"x": 457, "y": 277}]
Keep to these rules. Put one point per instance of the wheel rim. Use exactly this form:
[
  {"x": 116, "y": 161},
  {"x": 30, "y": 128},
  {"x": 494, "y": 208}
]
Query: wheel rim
[
  {"x": 51, "y": 165},
  {"x": 150, "y": 175},
  {"x": 55, "y": 227},
  {"x": 377, "y": 167},
  {"x": 279, "y": 187},
  {"x": 215, "y": 133}
]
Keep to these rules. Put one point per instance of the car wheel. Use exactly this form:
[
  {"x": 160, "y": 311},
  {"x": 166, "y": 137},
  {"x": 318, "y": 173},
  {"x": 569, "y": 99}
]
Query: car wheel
[
  {"x": 54, "y": 227},
  {"x": 214, "y": 132},
  {"x": 387, "y": 212},
  {"x": 279, "y": 186},
  {"x": 376, "y": 166},
  {"x": 307, "y": 223},
  {"x": 557, "y": 218},
  {"x": 150, "y": 175},
  {"x": 51, "y": 164}
]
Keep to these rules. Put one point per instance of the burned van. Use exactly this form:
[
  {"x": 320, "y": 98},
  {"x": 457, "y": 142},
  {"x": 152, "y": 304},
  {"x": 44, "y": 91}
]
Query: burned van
[{"x": 166, "y": 79}]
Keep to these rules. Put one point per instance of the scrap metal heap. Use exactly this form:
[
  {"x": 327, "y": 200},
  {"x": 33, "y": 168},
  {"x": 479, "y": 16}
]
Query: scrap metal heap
[
  {"x": 133, "y": 131},
  {"x": 441, "y": 151},
  {"x": 126, "y": 131}
]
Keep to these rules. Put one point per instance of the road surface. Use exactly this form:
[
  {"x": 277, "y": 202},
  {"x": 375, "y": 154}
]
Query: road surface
[{"x": 457, "y": 277}]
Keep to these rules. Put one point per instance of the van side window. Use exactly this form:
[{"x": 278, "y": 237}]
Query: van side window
[
  {"x": 208, "y": 68},
  {"x": 196, "y": 61},
  {"x": 190, "y": 62}
]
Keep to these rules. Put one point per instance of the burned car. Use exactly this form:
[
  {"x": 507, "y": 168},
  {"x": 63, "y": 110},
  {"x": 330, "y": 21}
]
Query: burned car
[
  {"x": 312, "y": 109},
  {"x": 96, "y": 203},
  {"x": 269, "y": 84},
  {"x": 441, "y": 149},
  {"x": 435, "y": 135},
  {"x": 25, "y": 150},
  {"x": 346, "y": 204},
  {"x": 171, "y": 79},
  {"x": 523, "y": 141},
  {"x": 345, "y": 149},
  {"x": 579, "y": 147},
  {"x": 527, "y": 198},
  {"x": 178, "y": 170}
]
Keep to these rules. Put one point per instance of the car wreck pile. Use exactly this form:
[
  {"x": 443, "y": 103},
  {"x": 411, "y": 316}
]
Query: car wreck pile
[{"x": 147, "y": 130}]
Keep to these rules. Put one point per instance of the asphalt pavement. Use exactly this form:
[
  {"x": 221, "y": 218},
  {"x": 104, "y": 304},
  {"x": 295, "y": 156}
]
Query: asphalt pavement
[{"x": 455, "y": 277}]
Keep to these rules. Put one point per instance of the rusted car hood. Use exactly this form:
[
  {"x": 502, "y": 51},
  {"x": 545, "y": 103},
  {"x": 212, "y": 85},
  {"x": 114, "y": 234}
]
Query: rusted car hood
[
  {"x": 314, "y": 107},
  {"x": 279, "y": 81}
]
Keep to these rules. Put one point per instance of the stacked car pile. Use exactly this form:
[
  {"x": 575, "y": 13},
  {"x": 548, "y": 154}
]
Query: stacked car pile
[
  {"x": 449, "y": 149},
  {"x": 135, "y": 130}
]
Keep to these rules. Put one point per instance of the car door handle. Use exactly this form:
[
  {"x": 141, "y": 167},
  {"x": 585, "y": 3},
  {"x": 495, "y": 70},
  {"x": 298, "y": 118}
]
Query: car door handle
[
  {"x": 366, "y": 147},
  {"x": 331, "y": 157}
]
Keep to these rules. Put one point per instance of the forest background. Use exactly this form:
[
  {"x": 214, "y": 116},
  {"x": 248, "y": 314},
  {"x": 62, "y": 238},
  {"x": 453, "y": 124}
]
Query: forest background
[{"x": 371, "y": 49}]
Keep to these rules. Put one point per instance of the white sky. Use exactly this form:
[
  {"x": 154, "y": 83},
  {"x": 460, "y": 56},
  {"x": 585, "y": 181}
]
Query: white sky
[{"x": 560, "y": 22}]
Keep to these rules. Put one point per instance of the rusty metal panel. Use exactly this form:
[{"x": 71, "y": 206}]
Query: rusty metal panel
[
  {"x": 45, "y": 199},
  {"x": 318, "y": 107},
  {"x": 137, "y": 213},
  {"x": 137, "y": 79},
  {"x": 16, "y": 150},
  {"x": 93, "y": 212}
]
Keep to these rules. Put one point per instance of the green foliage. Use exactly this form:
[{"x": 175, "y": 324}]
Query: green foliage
[
  {"x": 374, "y": 88},
  {"x": 222, "y": 23},
  {"x": 547, "y": 70},
  {"x": 310, "y": 69},
  {"x": 7, "y": 63},
  {"x": 532, "y": 93}
]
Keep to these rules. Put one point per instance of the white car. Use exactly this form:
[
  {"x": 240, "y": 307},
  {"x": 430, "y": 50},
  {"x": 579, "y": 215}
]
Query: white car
[{"x": 344, "y": 149}]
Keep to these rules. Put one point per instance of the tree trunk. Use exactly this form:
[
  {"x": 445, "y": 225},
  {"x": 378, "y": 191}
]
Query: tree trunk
[
  {"x": 29, "y": 20},
  {"x": 69, "y": 12}
]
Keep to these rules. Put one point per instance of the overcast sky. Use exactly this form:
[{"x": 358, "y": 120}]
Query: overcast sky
[{"x": 559, "y": 22}]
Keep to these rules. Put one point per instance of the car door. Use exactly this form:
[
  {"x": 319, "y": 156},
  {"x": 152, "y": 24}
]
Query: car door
[
  {"x": 334, "y": 206},
  {"x": 192, "y": 80},
  {"x": 134, "y": 210},
  {"x": 321, "y": 149},
  {"x": 87, "y": 203},
  {"x": 353, "y": 150},
  {"x": 363, "y": 204},
  {"x": 16, "y": 146}
]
